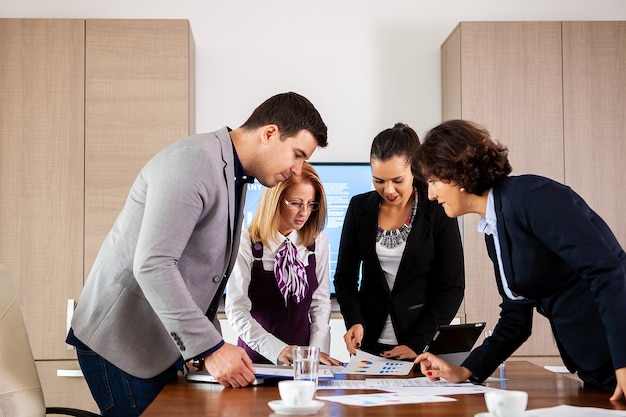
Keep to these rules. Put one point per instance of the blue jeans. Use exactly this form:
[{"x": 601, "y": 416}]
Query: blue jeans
[{"x": 116, "y": 392}]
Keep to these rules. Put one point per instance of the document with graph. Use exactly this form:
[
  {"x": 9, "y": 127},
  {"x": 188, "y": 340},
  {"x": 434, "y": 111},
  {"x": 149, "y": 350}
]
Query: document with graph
[{"x": 366, "y": 364}]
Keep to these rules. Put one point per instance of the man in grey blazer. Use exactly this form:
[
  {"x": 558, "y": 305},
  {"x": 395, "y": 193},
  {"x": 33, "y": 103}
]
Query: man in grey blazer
[{"x": 148, "y": 305}]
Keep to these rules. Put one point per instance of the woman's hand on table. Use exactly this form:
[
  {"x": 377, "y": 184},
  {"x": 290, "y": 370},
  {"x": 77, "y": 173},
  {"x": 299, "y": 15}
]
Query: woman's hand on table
[
  {"x": 620, "y": 389},
  {"x": 435, "y": 368},
  {"x": 285, "y": 357},
  {"x": 401, "y": 352},
  {"x": 327, "y": 360}
]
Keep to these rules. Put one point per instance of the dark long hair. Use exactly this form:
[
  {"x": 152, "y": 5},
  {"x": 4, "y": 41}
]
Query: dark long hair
[{"x": 400, "y": 140}]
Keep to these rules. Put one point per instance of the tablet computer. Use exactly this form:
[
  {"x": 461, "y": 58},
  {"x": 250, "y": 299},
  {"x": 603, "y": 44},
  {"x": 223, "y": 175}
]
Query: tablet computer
[
  {"x": 453, "y": 342},
  {"x": 262, "y": 373},
  {"x": 204, "y": 376}
]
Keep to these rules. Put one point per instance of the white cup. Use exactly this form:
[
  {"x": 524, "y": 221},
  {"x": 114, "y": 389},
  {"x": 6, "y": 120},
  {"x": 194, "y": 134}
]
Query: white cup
[
  {"x": 306, "y": 361},
  {"x": 501, "y": 403},
  {"x": 296, "y": 393}
]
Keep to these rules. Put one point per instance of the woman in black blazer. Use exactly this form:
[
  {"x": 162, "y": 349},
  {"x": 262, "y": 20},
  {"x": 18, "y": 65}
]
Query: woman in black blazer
[
  {"x": 550, "y": 251},
  {"x": 408, "y": 252}
]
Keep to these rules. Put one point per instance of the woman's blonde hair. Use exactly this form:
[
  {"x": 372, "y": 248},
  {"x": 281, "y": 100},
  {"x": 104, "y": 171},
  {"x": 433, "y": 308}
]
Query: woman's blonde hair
[{"x": 266, "y": 221}]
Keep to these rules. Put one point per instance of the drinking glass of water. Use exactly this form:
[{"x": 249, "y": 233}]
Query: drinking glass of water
[
  {"x": 306, "y": 360},
  {"x": 488, "y": 333}
]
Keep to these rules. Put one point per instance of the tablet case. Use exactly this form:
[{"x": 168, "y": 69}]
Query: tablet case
[{"x": 453, "y": 342}]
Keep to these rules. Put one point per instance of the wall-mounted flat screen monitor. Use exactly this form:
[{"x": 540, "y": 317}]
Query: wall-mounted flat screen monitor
[{"x": 342, "y": 181}]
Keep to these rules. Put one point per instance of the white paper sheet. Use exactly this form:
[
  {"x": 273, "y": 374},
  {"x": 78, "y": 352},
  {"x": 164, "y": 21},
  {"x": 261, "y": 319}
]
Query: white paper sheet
[
  {"x": 423, "y": 386},
  {"x": 412, "y": 386},
  {"x": 262, "y": 370},
  {"x": 342, "y": 384},
  {"x": 557, "y": 369},
  {"x": 572, "y": 411},
  {"x": 372, "y": 400}
]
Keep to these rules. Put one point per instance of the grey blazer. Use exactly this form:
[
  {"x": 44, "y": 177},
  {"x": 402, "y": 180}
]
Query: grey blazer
[{"x": 144, "y": 302}]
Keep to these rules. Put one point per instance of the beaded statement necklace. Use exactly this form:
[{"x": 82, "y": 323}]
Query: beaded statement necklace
[{"x": 393, "y": 238}]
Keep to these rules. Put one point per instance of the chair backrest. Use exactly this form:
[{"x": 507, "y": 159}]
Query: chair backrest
[{"x": 20, "y": 388}]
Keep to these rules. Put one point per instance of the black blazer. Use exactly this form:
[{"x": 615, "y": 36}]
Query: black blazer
[
  {"x": 560, "y": 255},
  {"x": 430, "y": 282}
]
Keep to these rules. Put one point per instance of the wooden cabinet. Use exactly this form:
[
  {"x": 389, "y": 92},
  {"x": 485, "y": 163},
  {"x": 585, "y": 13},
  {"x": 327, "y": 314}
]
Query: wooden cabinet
[
  {"x": 594, "y": 116},
  {"x": 554, "y": 93},
  {"x": 140, "y": 88},
  {"x": 83, "y": 105},
  {"x": 63, "y": 383},
  {"x": 42, "y": 103}
]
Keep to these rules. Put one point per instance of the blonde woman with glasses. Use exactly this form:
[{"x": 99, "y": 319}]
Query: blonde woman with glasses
[{"x": 278, "y": 295}]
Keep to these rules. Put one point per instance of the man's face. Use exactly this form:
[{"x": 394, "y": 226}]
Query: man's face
[{"x": 279, "y": 159}]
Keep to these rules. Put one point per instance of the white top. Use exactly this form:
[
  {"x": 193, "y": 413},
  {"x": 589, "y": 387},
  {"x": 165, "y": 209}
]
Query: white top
[
  {"x": 238, "y": 303},
  {"x": 389, "y": 259}
]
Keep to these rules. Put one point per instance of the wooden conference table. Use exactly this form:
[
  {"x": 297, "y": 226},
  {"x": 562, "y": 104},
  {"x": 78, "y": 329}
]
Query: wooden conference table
[{"x": 545, "y": 389}]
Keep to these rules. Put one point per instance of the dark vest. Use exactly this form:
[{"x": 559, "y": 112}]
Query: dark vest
[{"x": 289, "y": 323}]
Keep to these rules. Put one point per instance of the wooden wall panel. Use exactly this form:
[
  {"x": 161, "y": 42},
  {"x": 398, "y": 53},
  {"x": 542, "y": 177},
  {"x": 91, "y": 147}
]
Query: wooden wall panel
[
  {"x": 66, "y": 390},
  {"x": 41, "y": 171},
  {"x": 594, "y": 80},
  {"x": 451, "y": 75},
  {"x": 139, "y": 98},
  {"x": 70, "y": 146},
  {"x": 512, "y": 84}
]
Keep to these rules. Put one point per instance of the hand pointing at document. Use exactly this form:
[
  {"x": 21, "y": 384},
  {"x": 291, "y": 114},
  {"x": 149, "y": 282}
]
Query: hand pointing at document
[{"x": 435, "y": 368}]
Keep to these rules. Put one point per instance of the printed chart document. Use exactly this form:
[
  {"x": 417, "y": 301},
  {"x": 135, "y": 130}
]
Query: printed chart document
[{"x": 366, "y": 364}]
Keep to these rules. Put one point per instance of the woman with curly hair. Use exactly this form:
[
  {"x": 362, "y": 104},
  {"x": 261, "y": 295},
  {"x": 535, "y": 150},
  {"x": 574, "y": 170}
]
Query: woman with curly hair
[{"x": 551, "y": 252}]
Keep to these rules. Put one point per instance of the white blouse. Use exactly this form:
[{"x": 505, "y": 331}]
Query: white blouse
[{"x": 389, "y": 259}]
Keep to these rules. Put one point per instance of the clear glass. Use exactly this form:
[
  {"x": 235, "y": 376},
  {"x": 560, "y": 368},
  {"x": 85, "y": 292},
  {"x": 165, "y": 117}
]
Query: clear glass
[
  {"x": 501, "y": 367},
  {"x": 306, "y": 360}
]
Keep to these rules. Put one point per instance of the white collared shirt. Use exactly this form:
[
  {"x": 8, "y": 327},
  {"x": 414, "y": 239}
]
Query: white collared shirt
[{"x": 488, "y": 225}]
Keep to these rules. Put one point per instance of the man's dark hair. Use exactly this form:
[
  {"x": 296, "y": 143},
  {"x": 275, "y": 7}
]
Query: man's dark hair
[{"x": 292, "y": 113}]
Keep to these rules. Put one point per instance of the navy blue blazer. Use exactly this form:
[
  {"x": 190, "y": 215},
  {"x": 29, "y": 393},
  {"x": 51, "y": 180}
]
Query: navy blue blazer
[
  {"x": 430, "y": 282},
  {"x": 560, "y": 255}
]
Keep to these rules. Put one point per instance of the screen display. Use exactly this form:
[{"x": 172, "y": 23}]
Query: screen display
[{"x": 341, "y": 182}]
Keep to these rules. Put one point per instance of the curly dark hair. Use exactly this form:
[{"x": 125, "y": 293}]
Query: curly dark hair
[
  {"x": 399, "y": 140},
  {"x": 463, "y": 152}
]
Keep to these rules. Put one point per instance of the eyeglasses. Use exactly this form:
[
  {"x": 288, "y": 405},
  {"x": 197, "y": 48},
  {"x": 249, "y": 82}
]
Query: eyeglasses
[{"x": 298, "y": 205}]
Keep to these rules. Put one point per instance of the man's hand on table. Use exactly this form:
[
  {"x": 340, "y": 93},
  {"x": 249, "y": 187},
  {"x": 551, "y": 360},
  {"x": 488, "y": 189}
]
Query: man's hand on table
[{"x": 231, "y": 366}]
